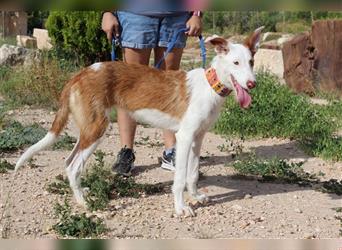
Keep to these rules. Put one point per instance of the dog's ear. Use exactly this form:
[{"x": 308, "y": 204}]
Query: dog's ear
[
  {"x": 252, "y": 42},
  {"x": 220, "y": 44}
]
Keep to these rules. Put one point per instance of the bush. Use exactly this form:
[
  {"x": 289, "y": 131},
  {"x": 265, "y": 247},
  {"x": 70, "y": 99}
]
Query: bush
[
  {"x": 78, "y": 34},
  {"x": 277, "y": 112}
]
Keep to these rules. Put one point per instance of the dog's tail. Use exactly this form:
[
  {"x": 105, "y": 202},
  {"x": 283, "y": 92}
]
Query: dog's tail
[{"x": 50, "y": 138}]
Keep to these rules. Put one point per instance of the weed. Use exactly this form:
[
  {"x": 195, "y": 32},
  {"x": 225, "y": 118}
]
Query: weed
[
  {"x": 66, "y": 142},
  {"x": 271, "y": 169},
  {"x": 147, "y": 141},
  {"x": 76, "y": 225},
  {"x": 103, "y": 185},
  {"x": 339, "y": 217},
  {"x": 277, "y": 112},
  {"x": 15, "y": 136},
  {"x": 60, "y": 186},
  {"x": 280, "y": 170},
  {"x": 5, "y": 166},
  {"x": 40, "y": 84},
  {"x": 332, "y": 186}
]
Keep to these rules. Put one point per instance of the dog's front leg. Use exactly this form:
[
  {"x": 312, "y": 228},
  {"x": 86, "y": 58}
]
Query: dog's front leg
[
  {"x": 193, "y": 169},
  {"x": 184, "y": 141}
]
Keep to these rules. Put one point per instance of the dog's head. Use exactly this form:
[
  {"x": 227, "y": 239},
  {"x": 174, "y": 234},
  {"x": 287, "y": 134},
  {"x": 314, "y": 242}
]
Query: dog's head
[{"x": 234, "y": 64}]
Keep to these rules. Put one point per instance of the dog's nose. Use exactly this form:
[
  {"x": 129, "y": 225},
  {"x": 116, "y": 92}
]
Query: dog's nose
[{"x": 250, "y": 84}]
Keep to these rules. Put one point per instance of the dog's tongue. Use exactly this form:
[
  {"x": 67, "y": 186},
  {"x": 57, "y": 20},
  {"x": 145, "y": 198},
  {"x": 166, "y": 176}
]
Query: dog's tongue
[{"x": 243, "y": 97}]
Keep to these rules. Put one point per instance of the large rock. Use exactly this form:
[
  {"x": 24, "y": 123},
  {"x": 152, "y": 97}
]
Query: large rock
[
  {"x": 327, "y": 40},
  {"x": 298, "y": 64},
  {"x": 12, "y": 55},
  {"x": 26, "y": 41},
  {"x": 312, "y": 61},
  {"x": 43, "y": 39},
  {"x": 269, "y": 60}
]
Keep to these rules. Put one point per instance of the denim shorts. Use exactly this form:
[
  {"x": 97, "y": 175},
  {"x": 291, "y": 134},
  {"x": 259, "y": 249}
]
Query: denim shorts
[{"x": 142, "y": 32}]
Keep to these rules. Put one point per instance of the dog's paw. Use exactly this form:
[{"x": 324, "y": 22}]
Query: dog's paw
[
  {"x": 201, "y": 198},
  {"x": 185, "y": 211},
  {"x": 79, "y": 196}
]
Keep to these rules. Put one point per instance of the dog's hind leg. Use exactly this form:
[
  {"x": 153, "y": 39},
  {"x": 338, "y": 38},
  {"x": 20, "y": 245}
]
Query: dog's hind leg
[
  {"x": 73, "y": 153},
  {"x": 90, "y": 138},
  {"x": 193, "y": 169}
]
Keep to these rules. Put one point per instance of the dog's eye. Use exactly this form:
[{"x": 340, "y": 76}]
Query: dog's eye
[{"x": 236, "y": 63}]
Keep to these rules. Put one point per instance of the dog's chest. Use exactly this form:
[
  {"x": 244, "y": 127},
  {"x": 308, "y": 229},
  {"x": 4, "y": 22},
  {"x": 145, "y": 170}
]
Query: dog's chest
[{"x": 156, "y": 119}]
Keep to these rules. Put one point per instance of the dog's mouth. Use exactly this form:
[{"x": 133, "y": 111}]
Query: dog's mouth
[{"x": 242, "y": 95}]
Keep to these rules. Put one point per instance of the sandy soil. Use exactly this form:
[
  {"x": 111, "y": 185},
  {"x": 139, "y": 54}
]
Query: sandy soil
[{"x": 239, "y": 208}]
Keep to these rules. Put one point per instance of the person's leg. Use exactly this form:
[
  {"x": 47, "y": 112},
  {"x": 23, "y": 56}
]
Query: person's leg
[
  {"x": 138, "y": 37},
  {"x": 127, "y": 125},
  {"x": 172, "y": 62}
]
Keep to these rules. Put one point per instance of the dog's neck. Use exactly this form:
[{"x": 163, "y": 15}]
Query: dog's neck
[{"x": 216, "y": 84}]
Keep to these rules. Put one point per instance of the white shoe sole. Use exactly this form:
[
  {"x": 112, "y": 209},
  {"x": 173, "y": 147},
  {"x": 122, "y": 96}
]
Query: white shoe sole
[{"x": 168, "y": 167}]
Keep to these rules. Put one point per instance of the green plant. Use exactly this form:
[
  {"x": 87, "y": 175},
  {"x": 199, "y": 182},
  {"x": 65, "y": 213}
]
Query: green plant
[
  {"x": 76, "y": 225},
  {"x": 66, "y": 142},
  {"x": 16, "y": 136},
  {"x": 60, "y": 186},
  {"x": 103, "y": 185},
  {"x": 39, "y": 85},
  {"x": 78, "y": 34},
  {"x": 277, "y": 112},
  {"x": 272, "y": 169},
  {"x": 280, "y": 170},
  {"x": 5, "y": 166}
]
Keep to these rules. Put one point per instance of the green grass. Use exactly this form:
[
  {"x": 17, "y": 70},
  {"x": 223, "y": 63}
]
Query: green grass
[
  {"x": 104, "y": 185},
  {"x": 279, "y": 170},
  {"x": 76, "y": 225},
  {"x": 16, "y": 136},
  {"x": 5, "y": 166},
  {"x": 38, "y": 85},
  {"x": 277, "y": 112},
  {"x": 8, "y": 40}
]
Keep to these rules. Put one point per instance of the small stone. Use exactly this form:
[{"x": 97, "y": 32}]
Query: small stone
[
  {"x": 295, "y": 197},
  {"x": 297, "y": 210},
  {"x": 248, "y": 196},
  {"x": 236, "y": 207}
]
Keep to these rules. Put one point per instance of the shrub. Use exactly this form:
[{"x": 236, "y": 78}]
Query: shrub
[
  {"x": 78, "y": 34},
  {"x": 277, "y": 112},
  {"x": 16, "y": 136},
  {"x": 76, "y": 225}
]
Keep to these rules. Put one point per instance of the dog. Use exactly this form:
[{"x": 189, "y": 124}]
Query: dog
[{"x": 185, "y": 102}]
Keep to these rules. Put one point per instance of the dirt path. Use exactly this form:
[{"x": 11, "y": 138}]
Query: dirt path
[{"x": 239, "y": 208}]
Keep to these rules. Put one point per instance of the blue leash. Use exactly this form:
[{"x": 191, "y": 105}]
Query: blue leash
[{"x": 116, "y": 43}]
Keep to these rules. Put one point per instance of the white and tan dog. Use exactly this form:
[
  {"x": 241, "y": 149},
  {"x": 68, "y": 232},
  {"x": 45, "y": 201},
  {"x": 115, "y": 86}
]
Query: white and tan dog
[{"x": 187, "y": 103}]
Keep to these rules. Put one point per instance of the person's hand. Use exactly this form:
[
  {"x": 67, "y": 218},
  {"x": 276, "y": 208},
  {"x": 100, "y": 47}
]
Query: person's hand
[
  {"x": 194, "y": 25},
  {"x": 110, "y": 25}
]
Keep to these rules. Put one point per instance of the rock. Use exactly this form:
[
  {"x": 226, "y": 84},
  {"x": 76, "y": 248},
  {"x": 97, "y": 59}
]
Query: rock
[
  {"x": 270, "y": 60},
  {"x": 43, "y": 39},
  {"x": 312, "y": 60},
  {"x": 248, "y": 196},
  {"x": 297, "y": 210},
  {"x": 26, "y": 41},
  {"x": 12, "y": 55}
]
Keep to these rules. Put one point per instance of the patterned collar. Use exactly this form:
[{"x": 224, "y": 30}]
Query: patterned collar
[{"x": 216, "y": 84}]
